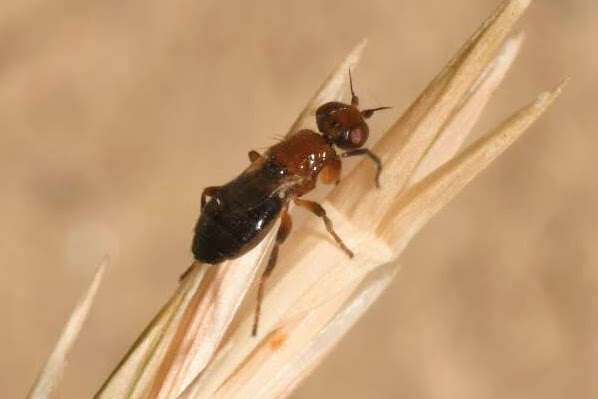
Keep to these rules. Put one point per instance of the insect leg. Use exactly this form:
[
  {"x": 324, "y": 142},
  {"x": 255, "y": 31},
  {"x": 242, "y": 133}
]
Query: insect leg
[
  {"x": 283, "y": 232},
  {"x": 253, "y": 156},
  {"x": 371, "y": 155},
  {"x": 208, "y": 191},
  {"x": 331, "y": 172},
  {"x": 317, "y": 210}
]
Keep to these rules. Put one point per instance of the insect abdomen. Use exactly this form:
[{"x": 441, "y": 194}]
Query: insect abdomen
[{"x": 221, "y": 235}]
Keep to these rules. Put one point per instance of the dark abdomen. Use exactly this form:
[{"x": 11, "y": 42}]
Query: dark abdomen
[{"x": 227, "y": 235}]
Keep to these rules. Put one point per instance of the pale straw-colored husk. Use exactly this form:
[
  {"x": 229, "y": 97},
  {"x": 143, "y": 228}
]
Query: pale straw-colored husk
[
  {"x": 51, "y": 375},
  {"x": 200, "y": 344}
]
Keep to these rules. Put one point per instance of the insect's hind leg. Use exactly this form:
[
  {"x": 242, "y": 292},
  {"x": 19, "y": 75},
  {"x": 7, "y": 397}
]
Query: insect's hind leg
[
  {"x": 286, "y": 225},
  {"x": 317, "y": 210}
]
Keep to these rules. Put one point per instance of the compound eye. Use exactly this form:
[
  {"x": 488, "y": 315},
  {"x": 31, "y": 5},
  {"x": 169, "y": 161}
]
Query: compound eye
[{"x": 357, "y": 136}]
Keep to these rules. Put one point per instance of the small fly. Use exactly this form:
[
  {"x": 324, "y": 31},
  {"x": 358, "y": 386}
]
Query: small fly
[{"x": 239, "y": 214}]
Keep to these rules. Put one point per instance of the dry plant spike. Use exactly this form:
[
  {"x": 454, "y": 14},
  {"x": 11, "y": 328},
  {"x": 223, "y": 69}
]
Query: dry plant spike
[
  {"x": 403, "y": 146},
  {"x": 286, "y": 379},
  {"x": 425, "y": 199},
  {"x": 138, "y": 368},
  {"x": 51, "y": 375},
  {"x": 168, "y": 346},
  {"x": 293, "y": 373},
  {"x": 205, "y": 321},
  {"x": 147, "y": 370},
  {"x": 310, "y": 288},
  {"x": 193, "y": 349},
  {"x": 450, "y": 139}
]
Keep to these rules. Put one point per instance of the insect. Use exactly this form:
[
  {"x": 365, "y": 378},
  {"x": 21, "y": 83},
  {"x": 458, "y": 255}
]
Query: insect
[{"x": 240, "y": 213}]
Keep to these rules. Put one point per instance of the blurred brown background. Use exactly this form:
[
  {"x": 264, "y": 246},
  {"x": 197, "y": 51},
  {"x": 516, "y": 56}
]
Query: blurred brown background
[{"x": 114, "y": 115}]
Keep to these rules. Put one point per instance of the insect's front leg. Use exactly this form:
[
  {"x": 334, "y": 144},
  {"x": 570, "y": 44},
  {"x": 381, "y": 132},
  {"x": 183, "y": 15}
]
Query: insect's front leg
[
  {"x": 331, "y": 172},
  {"x": 369, "y": 154},
  {"x": 286, "y": 225},
  {"x": 208, "y": 191},
  {"x": 319, "y": 211}
]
